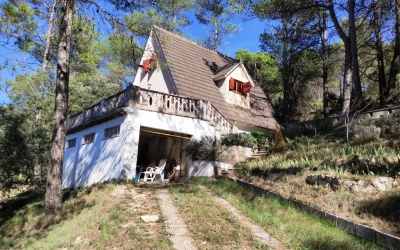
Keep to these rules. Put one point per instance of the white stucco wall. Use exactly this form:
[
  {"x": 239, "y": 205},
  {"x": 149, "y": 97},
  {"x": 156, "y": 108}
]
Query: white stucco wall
[
  {"x": 102, "y": 160},
  {"x": 232, "y": 97},
  {"x": 184, "y": 125},
  {"x": 201, "y": 169},
  {"x": 159, "y": 79},
  {"x": 106, "y": 159}
]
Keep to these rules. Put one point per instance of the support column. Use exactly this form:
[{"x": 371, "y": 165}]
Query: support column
[{"x": 131, "y": 146}]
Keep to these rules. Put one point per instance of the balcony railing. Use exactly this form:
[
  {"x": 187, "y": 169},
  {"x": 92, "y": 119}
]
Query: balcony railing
[
  {"x": 150, "y": 100},
  {"x": 169, "y": 102}
]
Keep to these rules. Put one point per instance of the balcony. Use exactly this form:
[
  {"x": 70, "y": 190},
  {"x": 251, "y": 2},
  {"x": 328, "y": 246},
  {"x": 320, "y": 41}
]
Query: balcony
[{"x": 134, "y": 96}]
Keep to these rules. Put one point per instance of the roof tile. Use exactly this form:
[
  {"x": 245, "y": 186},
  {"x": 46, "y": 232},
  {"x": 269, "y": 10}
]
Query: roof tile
[{"x": 193, "y": 69}]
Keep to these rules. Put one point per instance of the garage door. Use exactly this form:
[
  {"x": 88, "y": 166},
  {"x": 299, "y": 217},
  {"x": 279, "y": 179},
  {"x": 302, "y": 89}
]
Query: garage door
[{"x": 164, "y": 133}]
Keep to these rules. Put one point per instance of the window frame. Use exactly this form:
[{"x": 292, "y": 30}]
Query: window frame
[
  {"x": 91, "y": 136},
  {"x": 111, "y": 134},
  {"x": 69, "y": 143},
  {"x": 237, "y": 87}
]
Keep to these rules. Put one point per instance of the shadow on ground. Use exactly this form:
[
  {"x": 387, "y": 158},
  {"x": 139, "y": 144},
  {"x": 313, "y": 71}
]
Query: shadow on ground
[{"x": 387, "y": 208}]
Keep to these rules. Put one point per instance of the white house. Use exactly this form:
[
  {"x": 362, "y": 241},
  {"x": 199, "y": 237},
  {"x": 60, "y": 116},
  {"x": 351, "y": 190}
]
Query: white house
[{"x": 181, "y": 91}]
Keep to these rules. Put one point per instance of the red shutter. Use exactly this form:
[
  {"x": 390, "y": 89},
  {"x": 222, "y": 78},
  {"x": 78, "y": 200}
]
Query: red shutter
[
  {"x": 231, "y": 84},
  {"x": 153, "y": 61},
  {"x": 245, "y": 87},
  {"x": 146, "y": 65}
]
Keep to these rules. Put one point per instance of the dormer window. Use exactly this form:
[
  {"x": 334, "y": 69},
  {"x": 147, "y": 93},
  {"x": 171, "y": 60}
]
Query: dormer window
[{"x": 238, "y": 86}]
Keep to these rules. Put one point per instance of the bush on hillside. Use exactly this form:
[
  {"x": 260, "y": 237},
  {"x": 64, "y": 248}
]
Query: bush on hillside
[
  {"x": 364, "y": 134},
  {"x": 239, "y": 139},
  {"x": 206, "y": 149},
  {"x": 280, "y": 145},
  {"x": 263, "y": 141},
  {"x": 389, "y": 126}
]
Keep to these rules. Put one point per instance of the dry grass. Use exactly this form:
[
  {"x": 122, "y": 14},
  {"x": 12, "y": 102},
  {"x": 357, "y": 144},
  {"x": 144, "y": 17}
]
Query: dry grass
[
  {"x": 376, "y": 209},
  {"x": 122, "y": 227},
  {"x": 211, "y": 225},
  {"x": 102, "y": 217},
  {"x": 293, "y": 227},
  {"x": 27, "y": 227}
]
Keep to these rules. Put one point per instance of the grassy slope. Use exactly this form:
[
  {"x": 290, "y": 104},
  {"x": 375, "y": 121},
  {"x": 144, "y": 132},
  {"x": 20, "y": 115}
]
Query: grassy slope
[
  {"x": 324, "y": 151},
  {"x": 294, "y": 228},
  {"x": 108, "y": 216}
]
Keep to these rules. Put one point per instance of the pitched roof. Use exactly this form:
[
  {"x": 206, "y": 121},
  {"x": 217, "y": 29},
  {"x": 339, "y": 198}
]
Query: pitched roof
[
  {"x": 193, "y": 69},
  {"x": 222, "y": 71}
]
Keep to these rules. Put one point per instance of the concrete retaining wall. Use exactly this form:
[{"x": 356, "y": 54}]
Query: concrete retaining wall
[
  {"x": 367, "y": 233},
  {"x": 236, "y": 154}
]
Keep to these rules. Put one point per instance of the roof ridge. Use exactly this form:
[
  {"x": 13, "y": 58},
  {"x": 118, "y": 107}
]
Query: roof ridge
[{"x": 188, "y": 40}]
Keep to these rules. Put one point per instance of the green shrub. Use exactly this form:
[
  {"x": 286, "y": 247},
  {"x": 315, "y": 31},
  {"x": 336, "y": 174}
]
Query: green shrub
[
  {"x": 207, "y": 149},
  {"x": 239, "y": 139},
  {"x": 389, "y": 126},
  {"x": 364, "y": 134},
  {"x": 263, "y": 141}
]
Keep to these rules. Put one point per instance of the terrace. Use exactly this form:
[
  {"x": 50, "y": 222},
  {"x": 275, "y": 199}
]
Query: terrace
[{"x": 136, "y": 97}]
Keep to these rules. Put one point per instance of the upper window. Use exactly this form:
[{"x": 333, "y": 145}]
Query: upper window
[
  {"x": 150, "y": 64},
  {"x": 111, "y": 132},
  {"x": 238, "y": 86},
  {"x": 89, "y": 138},
  {"x": 71, "y": 143}
]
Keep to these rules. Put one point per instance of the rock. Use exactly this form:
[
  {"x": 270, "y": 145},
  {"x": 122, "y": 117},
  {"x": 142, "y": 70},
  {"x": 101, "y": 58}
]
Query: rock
[
  {"x": 334, "y": 183},
  {"x": 368, "y": 189},
  {"x": 78, "y": 239},
  {"x": 149, "y": 218},
  {"x": 312, "y": 179},
  {"x": 347, "y": 184},
  {"x": 383, "y": 183},
  {"x": 378, "y": 185},
  {"x": 277, "y": 176},
  {"x": 322, "y": 182}
]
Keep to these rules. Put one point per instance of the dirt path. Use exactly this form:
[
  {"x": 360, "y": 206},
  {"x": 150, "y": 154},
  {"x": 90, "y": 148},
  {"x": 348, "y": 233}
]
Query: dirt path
[
  {"x": 258, "y": 232},
  {"x": 175, "y": 225}
]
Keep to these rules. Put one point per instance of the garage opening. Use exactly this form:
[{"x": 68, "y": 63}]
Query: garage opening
[{"x": 155, "y": 145}]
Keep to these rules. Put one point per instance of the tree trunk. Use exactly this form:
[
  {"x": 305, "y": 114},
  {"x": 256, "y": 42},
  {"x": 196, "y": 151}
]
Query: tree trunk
[
  {"x": 379, "y": 51},
  {"x": 48, "y": 35},
  {"x": 325, "y": 67},
  {"x": 37, "y": 170},
  {"x": 358, "y": 99},
  {"x": 216, "y": 34},
  {"x": 347, "y": 86},
  {"x": 395, "y": 65},
  {"x": 348, "y": 71},
  {"x": 54, "y": 175}
]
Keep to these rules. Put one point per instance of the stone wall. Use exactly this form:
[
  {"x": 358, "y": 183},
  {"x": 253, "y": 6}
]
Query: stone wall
[
  {"x": 357, "y": 186},
  {"x": 236, "y": 154}
]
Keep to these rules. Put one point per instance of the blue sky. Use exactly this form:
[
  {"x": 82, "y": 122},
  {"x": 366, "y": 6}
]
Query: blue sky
[{"x": 247, "y": 38}]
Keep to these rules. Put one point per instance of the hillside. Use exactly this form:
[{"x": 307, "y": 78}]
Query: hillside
[{"x": 358, "y": 180}]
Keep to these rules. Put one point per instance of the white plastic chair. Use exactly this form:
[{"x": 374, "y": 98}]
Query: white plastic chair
[
  {"x": 151, "y": 173},
  {"x": 143, "y": 170}
]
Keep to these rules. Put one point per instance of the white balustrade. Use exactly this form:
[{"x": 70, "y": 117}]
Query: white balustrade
[
  {"x": 168, "y": 101},
  {"x": 220, "y": 123},
  {"x": 155, "y": 100}
]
